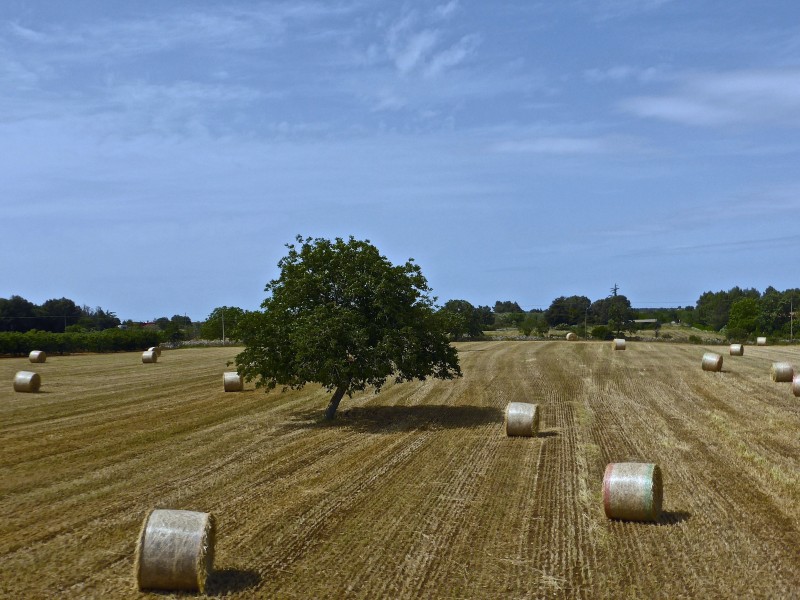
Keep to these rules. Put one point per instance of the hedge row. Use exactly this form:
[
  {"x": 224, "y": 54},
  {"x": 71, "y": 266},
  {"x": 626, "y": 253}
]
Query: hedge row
[{"x": 109, "y": 340}]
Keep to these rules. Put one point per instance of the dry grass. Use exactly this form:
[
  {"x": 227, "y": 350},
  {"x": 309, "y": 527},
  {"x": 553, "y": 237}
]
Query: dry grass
[{"x": 416, "y": 492}]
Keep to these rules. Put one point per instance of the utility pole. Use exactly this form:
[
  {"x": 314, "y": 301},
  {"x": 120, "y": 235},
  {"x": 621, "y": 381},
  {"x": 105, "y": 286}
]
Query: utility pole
[{"x": 223, "y": 326}]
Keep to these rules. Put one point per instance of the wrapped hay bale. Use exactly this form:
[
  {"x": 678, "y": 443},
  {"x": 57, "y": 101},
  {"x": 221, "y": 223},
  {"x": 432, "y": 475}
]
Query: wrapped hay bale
[
  {"x": 522, "y": 419},
  {"x": 796, "y": 385},
  {"x": 761, "y": 341},
  {"x": 737, "y": 349},
  {"x": 27, "y": 381},
  {"x": 571, "y": 337},
  {"x": 149, "y": 356},
  {"x": 712, "y": 361},
  {"x": 175, "y": 550},
  {"x": 618, "y": 344},
  {"x": 156, "y": 349},
  {"x": 37, "y": 356},
  {"x": 782, "y": 372},
  {"x": 232, "y": 381},
  {"x": 632, "y": 491}
]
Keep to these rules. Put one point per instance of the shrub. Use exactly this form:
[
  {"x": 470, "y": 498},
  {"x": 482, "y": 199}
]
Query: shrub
[{"x": 602, "y": 332}]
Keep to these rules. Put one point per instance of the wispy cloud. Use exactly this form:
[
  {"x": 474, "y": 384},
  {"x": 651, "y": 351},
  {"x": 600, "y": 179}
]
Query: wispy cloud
[
  {"x": 560, "y": 145},
  {"x": 414, "y": 49},
  {"x": 245, "y": 27},
  {"x": 737, "y": 97},
  {"x": 416, "y": 44},
  {"x": 621, "y": 73},
  {"x": 445, "y": 11},
  {"x": 454, "y": 55}
]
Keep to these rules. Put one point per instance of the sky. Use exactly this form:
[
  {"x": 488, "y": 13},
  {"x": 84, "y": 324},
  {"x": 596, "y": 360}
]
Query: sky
[{"x": 156, "y": 157}]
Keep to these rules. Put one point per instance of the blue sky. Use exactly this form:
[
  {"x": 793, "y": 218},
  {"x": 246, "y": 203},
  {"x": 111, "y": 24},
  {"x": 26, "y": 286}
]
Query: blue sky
[{"x": 156, "y": 156}]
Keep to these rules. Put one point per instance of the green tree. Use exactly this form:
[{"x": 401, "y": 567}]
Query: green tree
[
  {"x": 567, "y": 310},
  {"x": 485, "y": 316},
  {"x": 222, "y": 318},
  {"x": 743, "y": 319},
  {"x": 59, "y": 313},
  {"x": 534, "y": 321},
  {"x": 464, "y": 319},
  {"x": 341, "y": 315},
  {"x": 506, "y": 306},
  {"x": 17, "y": 314}
]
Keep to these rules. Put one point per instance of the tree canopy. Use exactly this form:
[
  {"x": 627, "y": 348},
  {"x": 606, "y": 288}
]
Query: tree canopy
[
  {"x": 341, "y": 315},
  {"x": 463, "y": 319},
  {"x": 221, "y": 323}
]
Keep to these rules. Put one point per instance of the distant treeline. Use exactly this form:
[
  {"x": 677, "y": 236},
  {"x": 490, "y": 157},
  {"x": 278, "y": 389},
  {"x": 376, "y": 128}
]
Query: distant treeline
[
  {"x": 740, "y": 314},
  {"x": 110, "y": 340},
  {"x": 56, "y": 315}
]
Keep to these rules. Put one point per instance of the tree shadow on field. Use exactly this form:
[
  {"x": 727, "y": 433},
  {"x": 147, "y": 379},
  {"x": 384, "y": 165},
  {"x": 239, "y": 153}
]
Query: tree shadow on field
[
  {"x": 229, "y": 581},
  {"x": 391, "y": 419}
]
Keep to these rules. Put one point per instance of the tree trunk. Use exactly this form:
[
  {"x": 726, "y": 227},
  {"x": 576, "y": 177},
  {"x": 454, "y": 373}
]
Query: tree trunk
[{"x": 330, "y": 412}]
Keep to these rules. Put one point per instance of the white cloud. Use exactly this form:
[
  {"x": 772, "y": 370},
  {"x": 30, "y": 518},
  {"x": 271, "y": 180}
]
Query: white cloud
[
  {"x": 734, "y": 98},
  {"x": 444, "y": 11},
  {"x": 454, "y": 55},
  {"x": 415, "y": 50}
]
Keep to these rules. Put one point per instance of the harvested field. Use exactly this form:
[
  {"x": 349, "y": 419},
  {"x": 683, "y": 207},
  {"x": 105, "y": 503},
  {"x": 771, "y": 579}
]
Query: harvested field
[{"x": 413, "y": 493}]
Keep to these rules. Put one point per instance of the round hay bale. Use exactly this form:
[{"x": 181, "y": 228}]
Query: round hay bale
[
  {"x": 156, "y": 349},
  {"x": 232, "y": 381},
  {"x": 618, "y": 344},
  {"x": 796, "y": 385},
  {"x": 712, "y": 361},
  {"x": 37, "y": 356},
  {"x": 27, "y": 381},
  {"x": 737, "y": 349},
  {"x": 761, "y": 341},
  {"x": 571, "y": 337},
  {"x": 632, "y": 491},
  {"x": 522, "y": 419},
  {"x": 149, "y": 356},
  {"x": 175, "y": 550},
  {"x": 782, "y": 372}
]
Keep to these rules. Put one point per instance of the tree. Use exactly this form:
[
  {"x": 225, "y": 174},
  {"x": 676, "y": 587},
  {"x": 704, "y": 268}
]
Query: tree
[
  {"x": 507, "y": 306},
  {"x": 17, "y": 314},
  {"x": 485, "y": 316},
  {"x": 222, "y": 319},
  {"x": 743, "y": 319},
  {"x": 567, "y": 310},
  {"x": 341, "y": 315},
  {"x": 534, "y": 321},
  {"x": 463, "y": 319},
  {"x": 60, "y": 313}
]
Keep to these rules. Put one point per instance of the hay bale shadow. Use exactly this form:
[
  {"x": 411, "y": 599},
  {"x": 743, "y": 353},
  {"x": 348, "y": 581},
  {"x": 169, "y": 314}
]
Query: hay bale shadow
[
  {"x": 391, "y": 419},
  {"x": 230, "y": 581},
  {"x": 673, "y": 517},
  {"x": 547, "y": 434}
]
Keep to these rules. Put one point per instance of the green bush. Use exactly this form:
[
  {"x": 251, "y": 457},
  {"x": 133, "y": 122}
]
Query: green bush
[
  {"x": 693, "y": 339},
  {"x": 602, "y": 332}
]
